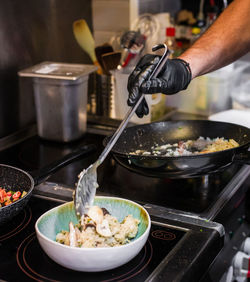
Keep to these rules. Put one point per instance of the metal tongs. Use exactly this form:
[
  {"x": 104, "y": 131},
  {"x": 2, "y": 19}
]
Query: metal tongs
[{"x": 86, "y": 187}]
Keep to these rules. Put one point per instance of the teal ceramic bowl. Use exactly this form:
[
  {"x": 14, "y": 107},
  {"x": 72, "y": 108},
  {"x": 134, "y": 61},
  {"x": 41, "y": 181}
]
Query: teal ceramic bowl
[{"x": 91, "y": 259}]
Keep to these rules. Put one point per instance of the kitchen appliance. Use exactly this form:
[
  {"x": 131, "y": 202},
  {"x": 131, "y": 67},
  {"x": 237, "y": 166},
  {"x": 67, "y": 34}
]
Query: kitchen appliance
[
  {"x": 28, "y": 262},
  {"x": 14, "y": 179},
  {"x": 144, "y": 137},
  {"x": 61, "y": 93},
  {"x": 185, "y": 242}
]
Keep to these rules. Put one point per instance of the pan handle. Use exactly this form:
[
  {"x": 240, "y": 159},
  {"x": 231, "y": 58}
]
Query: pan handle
[
  {"x": 243, "y": 157},
  {"x": 40, "y": 175}
]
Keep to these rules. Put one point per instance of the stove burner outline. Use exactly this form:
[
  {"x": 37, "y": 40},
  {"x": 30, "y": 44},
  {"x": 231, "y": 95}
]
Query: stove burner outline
[
  {"x": 163, "y": 235},
  {"x": 28, "y": 240},
  {"x": 12, "y": 232},
  {"x": 140, "y": 270}
]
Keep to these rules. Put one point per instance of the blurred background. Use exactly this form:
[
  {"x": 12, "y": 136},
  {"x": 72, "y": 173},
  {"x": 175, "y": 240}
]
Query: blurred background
[{"x": 32, "y": 32}]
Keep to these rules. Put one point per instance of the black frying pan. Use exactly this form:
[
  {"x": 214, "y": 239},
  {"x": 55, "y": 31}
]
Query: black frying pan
[
  {"x": 15, "y": 179},
  {"x": 147, "y": 135}
]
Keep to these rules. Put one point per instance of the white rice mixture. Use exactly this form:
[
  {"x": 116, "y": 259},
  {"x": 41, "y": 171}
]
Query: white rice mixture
[
  {"x": 190, "y": 147},
  {"x": 99, "y": 229}
]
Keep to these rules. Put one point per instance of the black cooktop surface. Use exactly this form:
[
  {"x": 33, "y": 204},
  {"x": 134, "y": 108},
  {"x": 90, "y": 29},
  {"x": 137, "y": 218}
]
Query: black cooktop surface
[
  {"x": 35, "y": 153},
  {"x": 192, "y": 195},
  {"x": 176, "y": 249},
  {"x": 22, "y": 258}
]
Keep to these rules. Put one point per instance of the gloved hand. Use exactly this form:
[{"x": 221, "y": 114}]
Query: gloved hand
[{"x": 174, "y": 77}]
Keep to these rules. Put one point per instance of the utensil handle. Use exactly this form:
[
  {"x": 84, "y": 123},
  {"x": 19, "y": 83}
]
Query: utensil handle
[
  {"x": 162, "y": 61},
  {"x": 131, "y": 111},
  {"x": 119, "y": 131},
  {"x": 40, "y": 175}
]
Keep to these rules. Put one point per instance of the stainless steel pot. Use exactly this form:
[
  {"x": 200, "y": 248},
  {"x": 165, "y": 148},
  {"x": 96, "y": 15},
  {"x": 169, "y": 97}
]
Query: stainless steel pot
[{"x": 60, "y": 92}]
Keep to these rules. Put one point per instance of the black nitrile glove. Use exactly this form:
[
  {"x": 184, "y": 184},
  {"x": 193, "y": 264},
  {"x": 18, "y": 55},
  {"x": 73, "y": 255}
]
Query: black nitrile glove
[{"x": 174, "y": 77}]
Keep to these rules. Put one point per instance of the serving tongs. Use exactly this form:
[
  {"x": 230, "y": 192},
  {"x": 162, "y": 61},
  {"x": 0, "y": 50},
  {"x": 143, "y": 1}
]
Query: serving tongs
[{"x": 86, "y": 186}]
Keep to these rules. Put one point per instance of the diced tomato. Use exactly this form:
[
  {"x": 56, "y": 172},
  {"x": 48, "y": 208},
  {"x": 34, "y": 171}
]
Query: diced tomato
[
  {"x": 6, "y": 198},
  {"x": 16, "y": 195},
  {"x": 2, "y": 195}
]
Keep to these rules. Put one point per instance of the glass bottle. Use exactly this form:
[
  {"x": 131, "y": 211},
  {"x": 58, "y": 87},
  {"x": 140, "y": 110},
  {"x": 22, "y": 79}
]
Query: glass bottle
[{"x": 170, "y": 40}]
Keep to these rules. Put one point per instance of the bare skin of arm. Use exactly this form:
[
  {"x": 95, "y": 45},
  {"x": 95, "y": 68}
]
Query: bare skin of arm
[{"x": 227, "y": 39}]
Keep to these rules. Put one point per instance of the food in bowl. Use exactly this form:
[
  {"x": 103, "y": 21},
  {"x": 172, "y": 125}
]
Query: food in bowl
[
  {"x": 190, "y": 147},
  {"x": 91, "y": 259},
  {"x": 98, "y": 228}
]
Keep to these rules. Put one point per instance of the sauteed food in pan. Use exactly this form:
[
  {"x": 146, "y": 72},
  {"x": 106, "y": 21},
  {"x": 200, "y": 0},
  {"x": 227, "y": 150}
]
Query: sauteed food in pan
[
  {"x": 190, "y": 147},
  {"x": 208, "y": 160},
  {"x": 99, "y": 228}
]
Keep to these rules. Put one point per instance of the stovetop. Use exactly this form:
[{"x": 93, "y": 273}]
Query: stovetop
[
  {"x": 183, "y": 240},
  {"x": 178, "y": 243},
  {"x": 31, "y": 262},
  {"x": 195, "y": 195}
]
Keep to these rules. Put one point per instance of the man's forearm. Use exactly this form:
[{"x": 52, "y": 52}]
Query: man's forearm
[{"x": 225, "y": 41}]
